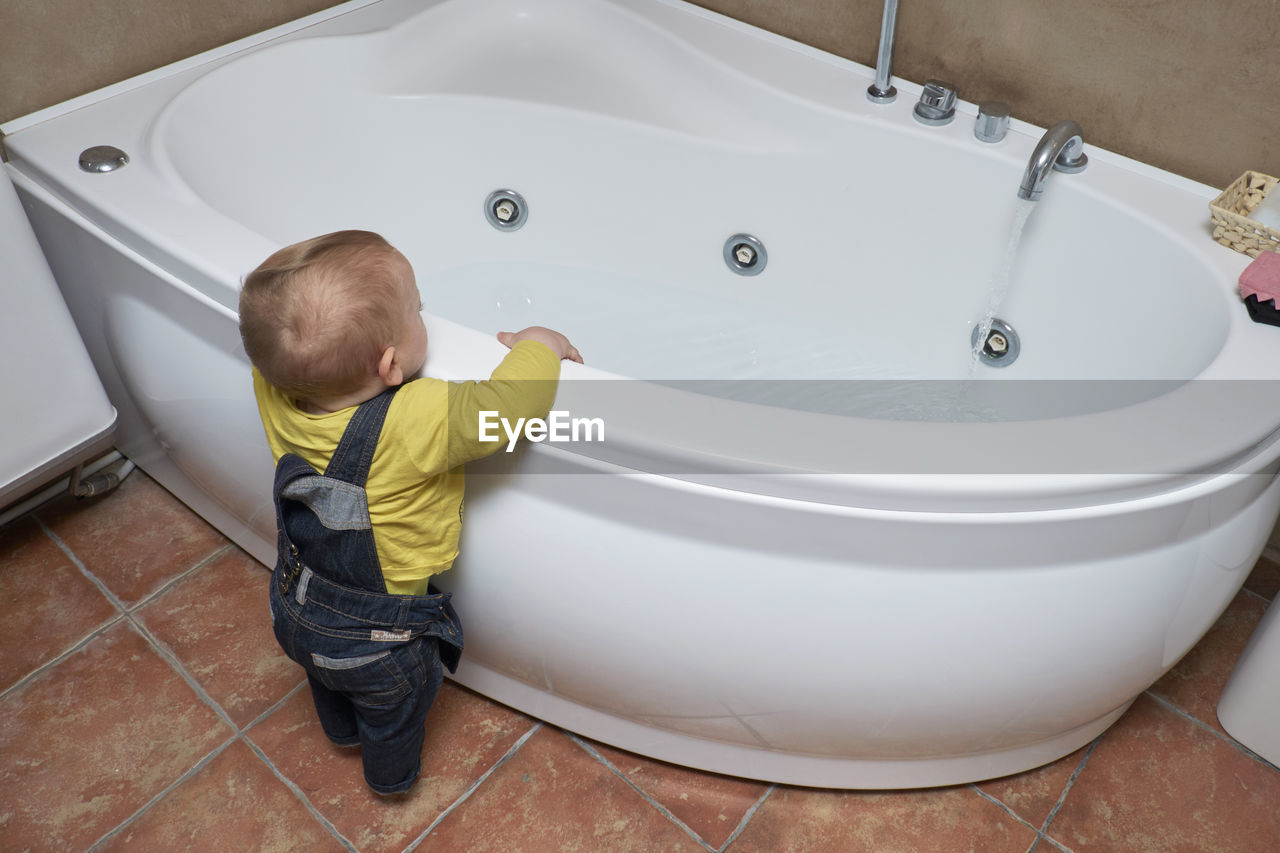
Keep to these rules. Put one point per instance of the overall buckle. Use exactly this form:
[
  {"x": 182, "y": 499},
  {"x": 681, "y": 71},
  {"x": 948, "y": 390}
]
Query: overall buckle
[{"x": 292, "y": 565}]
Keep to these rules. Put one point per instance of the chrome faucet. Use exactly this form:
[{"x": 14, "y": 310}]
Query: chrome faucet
[
  {"x": 880, "y": 92},
  {"x": 1062, "y": 148}
]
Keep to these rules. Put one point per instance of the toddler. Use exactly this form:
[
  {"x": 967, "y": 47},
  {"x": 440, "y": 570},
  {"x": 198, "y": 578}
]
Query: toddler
[{"x": 369, "y": 484}]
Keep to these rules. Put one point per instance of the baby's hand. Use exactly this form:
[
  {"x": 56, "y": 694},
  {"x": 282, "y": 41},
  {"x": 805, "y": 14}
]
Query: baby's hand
[{"x": 558, "y": 343}]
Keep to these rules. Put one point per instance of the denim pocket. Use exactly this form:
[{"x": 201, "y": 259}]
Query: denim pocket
[
  {"x": 346, "y": 663},
  {"x": 369, "y": 680}
]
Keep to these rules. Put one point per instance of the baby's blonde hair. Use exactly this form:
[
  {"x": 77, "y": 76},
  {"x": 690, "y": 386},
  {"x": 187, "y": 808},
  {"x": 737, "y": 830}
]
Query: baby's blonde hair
[{"x": 316, "y": 316}]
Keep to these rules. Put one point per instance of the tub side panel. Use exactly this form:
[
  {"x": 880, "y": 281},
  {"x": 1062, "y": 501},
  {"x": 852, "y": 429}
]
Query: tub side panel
[{"x": 173, "y": 367}]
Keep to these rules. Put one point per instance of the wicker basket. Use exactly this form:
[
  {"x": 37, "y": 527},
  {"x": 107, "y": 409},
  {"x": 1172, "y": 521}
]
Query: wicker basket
[{"x": 1230, "y": 213}]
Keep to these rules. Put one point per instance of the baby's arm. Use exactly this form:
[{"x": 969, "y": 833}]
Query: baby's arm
[{"x": 555, "y": 341}]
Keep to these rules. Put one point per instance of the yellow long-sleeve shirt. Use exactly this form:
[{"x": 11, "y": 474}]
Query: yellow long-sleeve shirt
[{"x": 415, "y": 483}]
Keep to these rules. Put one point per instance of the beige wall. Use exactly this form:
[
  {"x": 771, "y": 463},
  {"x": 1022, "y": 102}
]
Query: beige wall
[
  {"x": 1188, "y": 85},
  {"x": 52, "y": 50}
]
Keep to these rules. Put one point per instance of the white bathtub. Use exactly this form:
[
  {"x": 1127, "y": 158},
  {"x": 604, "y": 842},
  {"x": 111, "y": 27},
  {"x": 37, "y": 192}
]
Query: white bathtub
[{"x": 866, "y": 584}]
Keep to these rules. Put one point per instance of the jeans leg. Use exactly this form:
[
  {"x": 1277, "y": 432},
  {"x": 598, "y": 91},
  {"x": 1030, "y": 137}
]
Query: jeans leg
[
  {"x": 391, "y": 738},
  {"x": 336, "y": 712}
]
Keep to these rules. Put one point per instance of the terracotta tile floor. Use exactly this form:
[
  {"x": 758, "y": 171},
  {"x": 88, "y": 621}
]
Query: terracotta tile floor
[{"x": 144, "y": 706}]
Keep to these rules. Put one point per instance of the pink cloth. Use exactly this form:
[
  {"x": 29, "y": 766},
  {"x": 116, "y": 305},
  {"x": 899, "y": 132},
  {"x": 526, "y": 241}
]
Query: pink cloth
[{"x": 1262, "y": 277}]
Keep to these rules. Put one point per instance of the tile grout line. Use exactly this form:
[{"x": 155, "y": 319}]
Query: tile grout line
[
  {"x": 1192, "y": 718},
  {"x": 1007, "y": 809},
  {"x": 244, "y": 736},
  {"x": 1057, "y": 844},
  {"x": 294, "y": 788},
  {"x": 1256, "y": 595},
  {"x": 128, "y": 615},
  {"x": 80, "y": 566},
  {"x": 149, "y": 597},
  {"x": 746, "y": 818},
  {"x": 276, "y": 707},
  {"x": 122, "y": 611},
  {"x": 172, "y": 660},
  {"x": 164, "y": 792},
  {"x": 63, "y": 655},
  {"x": 237, "y": 733},
  {"x": 1066, "y": 789},
  {"x": 181, "y": 576},
  {"x": 241, "y": 734},
  {"x": 413, "y": 845},
  {"x": 662, "y": 810}
]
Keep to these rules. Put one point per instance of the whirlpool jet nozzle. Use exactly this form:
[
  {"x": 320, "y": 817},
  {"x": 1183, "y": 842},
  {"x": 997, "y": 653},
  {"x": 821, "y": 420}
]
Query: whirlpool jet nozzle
[
  {"x": 506, "y": 210},
  {"x": 1001, "y": 347},
  {"x": 744, "y": 254}
]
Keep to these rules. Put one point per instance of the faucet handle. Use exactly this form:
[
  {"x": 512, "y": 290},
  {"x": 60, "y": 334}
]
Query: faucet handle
[
  {"x": 1072, "y": 159},
  {"x": 937, "y": 105},
  {"x": 993, "y": 121}
]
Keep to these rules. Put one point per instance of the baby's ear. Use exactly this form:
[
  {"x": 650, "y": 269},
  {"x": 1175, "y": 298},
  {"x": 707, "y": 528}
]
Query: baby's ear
[{"x": 389, "y": 368}]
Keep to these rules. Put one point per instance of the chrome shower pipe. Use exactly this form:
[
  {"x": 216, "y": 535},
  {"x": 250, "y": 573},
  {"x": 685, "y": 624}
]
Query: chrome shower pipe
[{"x": 880, "y": 91}]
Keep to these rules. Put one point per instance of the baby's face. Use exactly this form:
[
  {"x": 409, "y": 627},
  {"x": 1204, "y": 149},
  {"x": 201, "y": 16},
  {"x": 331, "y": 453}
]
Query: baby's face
[{"x": 412, "y": 345}]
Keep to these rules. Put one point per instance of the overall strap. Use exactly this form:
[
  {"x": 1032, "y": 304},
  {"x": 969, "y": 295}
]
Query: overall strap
[
  {"x": 323, "y": 521},
  {"x": 351, "y": 460}
]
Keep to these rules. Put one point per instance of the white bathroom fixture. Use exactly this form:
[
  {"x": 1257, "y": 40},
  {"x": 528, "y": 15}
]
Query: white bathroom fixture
[
  {"x": 56, "y": 413},
  {"x": 1249, "y": 708},
  {"x": 814, "y": 546}
]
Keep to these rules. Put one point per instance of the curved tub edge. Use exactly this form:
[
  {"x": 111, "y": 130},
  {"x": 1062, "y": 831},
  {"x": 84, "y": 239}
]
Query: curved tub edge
[{"x": 810, "y": 771}]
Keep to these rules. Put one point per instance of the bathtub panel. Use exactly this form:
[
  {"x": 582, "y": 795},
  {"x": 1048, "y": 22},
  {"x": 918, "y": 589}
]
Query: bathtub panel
[
  {"x": 206, "y": 449},
  {"x": 190, "y": 393},
  {"x": 1053, "y": 617}
]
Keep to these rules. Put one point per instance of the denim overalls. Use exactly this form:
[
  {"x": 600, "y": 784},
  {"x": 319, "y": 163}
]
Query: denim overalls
[{"x": 373, "y": 659}]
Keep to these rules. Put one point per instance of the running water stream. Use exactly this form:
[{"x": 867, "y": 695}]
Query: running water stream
[{"x": 1001, "y": 280}]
